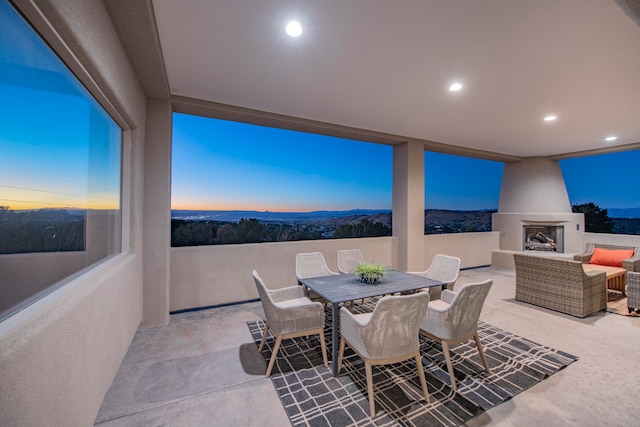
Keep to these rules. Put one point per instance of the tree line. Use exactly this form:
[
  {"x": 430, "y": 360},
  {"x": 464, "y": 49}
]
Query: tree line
[
  {"x": 53, "y": 230},
  {"x": 597, "y": 220},
  {"x": 195, "y": 233},
  {"x": 41, "y": 230}
]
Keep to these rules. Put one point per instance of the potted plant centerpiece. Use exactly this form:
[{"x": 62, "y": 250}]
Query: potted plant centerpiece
[{"x": 369, "y": 272}]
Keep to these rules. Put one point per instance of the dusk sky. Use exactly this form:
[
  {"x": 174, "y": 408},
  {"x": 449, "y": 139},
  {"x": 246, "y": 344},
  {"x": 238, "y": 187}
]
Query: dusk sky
[
  {"x": 226, "y": 165},
  {"x": 608, "y": 180},
  {"x": 220, "y": 164},
  {"x": 58, "y": 147},
  {"x": 46, "y": 162}
]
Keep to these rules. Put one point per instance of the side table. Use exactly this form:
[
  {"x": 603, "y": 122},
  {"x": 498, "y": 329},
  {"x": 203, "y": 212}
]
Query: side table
[{"x": 616, "y": 276}]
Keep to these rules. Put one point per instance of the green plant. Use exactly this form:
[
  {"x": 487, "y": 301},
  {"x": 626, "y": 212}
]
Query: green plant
[{"x": 369, "y": 272}]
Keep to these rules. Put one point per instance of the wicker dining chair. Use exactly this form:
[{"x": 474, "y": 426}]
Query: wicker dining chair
[
  {"x": 443, "y": 268},
  {"x": 454, "y": 319},
  {"x": 387, "y": 335},
  {"x": 348, "y": 259},
  {"x": 289, "y": 314},
  {"x": 312, "y": 264}
]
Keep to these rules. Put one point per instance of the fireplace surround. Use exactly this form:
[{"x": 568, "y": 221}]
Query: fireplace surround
[
  {"x": 533, "y": 194},
  {"x": 513, "y": 236}
]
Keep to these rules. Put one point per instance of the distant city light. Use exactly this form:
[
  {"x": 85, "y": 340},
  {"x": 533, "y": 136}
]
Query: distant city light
[{"x": 294, "y": 29}]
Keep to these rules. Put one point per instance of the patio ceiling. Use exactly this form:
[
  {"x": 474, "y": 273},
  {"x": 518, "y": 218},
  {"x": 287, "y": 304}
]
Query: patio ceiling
[{"x": 386, "y": 67}]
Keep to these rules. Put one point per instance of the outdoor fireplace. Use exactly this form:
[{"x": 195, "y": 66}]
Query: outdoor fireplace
[{"x": 541, "y": 237}]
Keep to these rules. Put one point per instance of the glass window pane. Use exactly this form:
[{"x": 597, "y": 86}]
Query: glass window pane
[{"x": 59, "y": 170}]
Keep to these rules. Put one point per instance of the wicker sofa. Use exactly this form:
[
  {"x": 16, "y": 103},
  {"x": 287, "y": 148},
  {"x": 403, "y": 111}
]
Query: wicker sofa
[
  {"x": 559, "y": 284},
  {"x": 630, "y": 264}
]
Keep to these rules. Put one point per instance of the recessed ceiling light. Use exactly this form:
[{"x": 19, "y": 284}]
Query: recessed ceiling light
[
  {"x": 455, "y": 87},
  {"x": 611, "y": 138},
  {"x": 550, "y": 118},
  {"x": 294, "y": 29}
]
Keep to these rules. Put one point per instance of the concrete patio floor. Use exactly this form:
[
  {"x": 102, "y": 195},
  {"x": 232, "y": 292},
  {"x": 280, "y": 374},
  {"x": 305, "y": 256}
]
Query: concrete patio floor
[{"x": 188, "y": 373}]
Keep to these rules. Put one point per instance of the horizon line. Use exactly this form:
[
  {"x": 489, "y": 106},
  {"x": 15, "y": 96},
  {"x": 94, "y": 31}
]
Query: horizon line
[{"x": 325, "y": 210}]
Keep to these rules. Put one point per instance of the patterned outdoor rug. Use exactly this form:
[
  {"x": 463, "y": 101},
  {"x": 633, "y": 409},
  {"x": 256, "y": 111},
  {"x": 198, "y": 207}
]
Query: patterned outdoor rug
[{"x": 312, "y": 396}]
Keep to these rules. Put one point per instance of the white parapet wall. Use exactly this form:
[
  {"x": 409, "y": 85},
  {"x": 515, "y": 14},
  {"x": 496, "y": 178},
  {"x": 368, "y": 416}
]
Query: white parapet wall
[
  {"x": 203, "y": 276},
  {"x": 473, "y": 249},
  {"x": 611, "y": 239}
]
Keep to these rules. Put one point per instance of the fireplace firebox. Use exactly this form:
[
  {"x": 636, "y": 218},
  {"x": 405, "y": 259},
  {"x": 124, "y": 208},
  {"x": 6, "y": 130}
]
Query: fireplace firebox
[{"x": 541, "y": 237}]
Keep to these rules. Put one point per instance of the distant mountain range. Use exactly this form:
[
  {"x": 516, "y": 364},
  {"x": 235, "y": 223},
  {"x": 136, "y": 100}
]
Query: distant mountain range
[
  {"x": 267, "y": 216},
  {"x": 353, "y": 215},
  {"x": 624, "y": 212}
]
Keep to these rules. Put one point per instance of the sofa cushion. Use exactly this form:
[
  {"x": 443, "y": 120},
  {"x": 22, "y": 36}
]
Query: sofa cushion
[{"x": 611, "y": 257}]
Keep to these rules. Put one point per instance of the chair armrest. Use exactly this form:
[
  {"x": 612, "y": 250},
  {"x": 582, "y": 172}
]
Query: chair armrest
[
  {"x": 584, "y": 257},
  {"x": 593, "y": 273},
  {"x": 447, "y": 296},
  {"x": 417, "y": 273},
  {"x": 595, "y": 285},
  {"x": 633, "y": 263},
  {"x": 283, "y": 294},
  {"x": 348, "y": 316},
  {"x": 633, "y": 289},
  {"x": 353, "y": 329},
  {"x": 437, "y": 323},
  {"x": 300, "y": 306}
]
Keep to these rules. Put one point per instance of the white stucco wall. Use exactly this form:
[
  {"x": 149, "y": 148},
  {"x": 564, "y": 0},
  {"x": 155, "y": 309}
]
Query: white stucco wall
[
  {"x": 534, "y": 185},
  {"x": 202, "y": 276},
  {"x": 58, "y": 357},
  {"x": 157, "y": 213},
  {"x": 211, "y": 275},
  {"x": 533, "y": 192},
  {"x": 473, "y": 249},
  {"x": 408, "y": 203}
]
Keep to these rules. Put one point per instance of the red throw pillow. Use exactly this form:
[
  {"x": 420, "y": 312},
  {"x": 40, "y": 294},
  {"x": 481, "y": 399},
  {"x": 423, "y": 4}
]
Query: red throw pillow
[{"x": 610, "y": 257}]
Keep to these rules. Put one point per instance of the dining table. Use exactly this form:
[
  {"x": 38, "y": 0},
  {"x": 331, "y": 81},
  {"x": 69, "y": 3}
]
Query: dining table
[{"x": 341, "y": 288}]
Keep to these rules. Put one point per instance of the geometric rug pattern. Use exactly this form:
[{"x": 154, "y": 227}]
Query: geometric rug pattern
[{"x": 312, "y": 396}]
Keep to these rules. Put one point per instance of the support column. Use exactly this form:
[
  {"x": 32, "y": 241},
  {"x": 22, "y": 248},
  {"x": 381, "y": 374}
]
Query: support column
[
  {"x": 157, "y": 213},
  {"x": 408, "y": 204}
]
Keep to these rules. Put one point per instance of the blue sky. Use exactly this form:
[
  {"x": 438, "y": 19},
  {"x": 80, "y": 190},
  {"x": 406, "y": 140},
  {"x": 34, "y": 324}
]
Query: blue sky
[
  {"x": 220, "y": 164},
  {"x": 608, "y": 180},
  {"x": 448, "y": 184},
  {"x": 227, "y": 165},
  {"x": 58, "y": 147}
]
